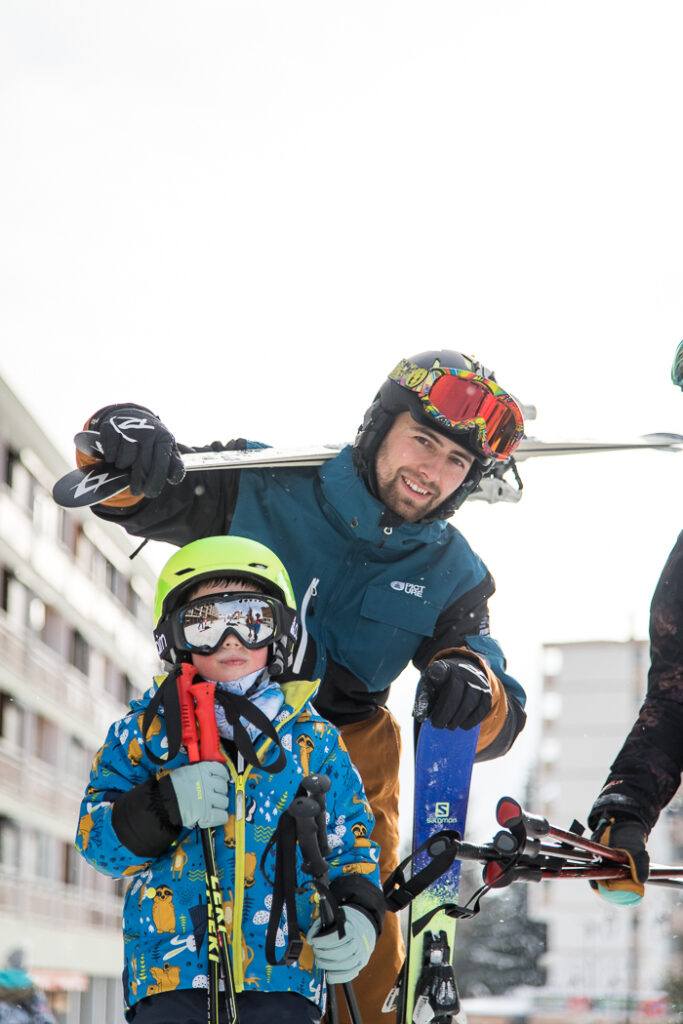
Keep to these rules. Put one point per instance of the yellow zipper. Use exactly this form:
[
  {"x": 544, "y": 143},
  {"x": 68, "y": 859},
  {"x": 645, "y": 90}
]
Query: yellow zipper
[
  {"x": 238, "y": 903},
  {"x": 240, "y": 851}
]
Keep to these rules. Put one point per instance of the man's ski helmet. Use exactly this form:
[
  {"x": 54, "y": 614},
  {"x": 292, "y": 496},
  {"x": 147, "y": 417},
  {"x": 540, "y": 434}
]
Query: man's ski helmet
[
  {"x": 234, "y": 558},
  {"x": 401, "y": 393}
]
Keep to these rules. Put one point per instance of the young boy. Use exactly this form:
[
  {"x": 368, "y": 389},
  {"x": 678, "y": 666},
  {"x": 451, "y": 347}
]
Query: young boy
[{"x": 141, "y": 810}]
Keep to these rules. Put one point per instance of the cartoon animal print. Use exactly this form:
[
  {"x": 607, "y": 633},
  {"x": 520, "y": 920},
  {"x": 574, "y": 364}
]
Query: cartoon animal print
[
  {"x": 306, "y": 959},
  {"x": 134, "y": 752},
  {"x": 163, "y": 911},
  {"x": 247, "y": 957},
  {"x": 153, "y": 729},
  {"x": 364, "y": 868},
  {"x": 167, "y": 979},
  {"x": 98, "y": 757},
  {"x": 250, "y": 863},
  {"x": 178, "y": 863},
  {"x": 134, "y": 868},
  {"x": 359, "y": 800},
  {"x": 134, "y": 980},
  {"x": 229, "y": 832},
  {"x": 306, "y": 747},
  {"x": 228, "y": 914},
  {"x": 85, "y": 827}
]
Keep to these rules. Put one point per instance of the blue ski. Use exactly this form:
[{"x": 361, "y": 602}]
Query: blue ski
[{"x": 443, "y": 769}]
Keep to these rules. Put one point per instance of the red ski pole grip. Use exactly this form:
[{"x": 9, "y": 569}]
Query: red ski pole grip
[
  {"x": 511, "y": 814},
  {"x": 188, "y": 722},
  {"x": 205, "y": 714},
  {"x": 508, "y": 811}
]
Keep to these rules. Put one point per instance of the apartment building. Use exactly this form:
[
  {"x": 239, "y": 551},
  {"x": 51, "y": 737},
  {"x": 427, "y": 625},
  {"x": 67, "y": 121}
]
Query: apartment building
[
  {"x": 598, "y": 954},
  {"x": 75, "y": 645}
]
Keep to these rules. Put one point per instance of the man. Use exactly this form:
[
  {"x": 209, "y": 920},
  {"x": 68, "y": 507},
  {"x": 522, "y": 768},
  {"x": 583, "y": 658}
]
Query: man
[
  {"x": 647, "y": 770},
  {"x": 379, "y": 575}
]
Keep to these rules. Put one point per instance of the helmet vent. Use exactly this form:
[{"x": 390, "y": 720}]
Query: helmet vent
[
  {"x": 257, "y": 565},
  {"x": 184, "y": 572}
]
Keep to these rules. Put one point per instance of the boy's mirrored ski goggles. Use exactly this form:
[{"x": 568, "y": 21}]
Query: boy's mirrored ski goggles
[
  {"x": 463, "y": 400},
  {"x": 202, "y": 625}
]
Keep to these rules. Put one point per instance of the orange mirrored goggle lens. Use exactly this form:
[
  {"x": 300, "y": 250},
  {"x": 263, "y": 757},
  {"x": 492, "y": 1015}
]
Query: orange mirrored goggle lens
[{"x": 461, "y": 399}]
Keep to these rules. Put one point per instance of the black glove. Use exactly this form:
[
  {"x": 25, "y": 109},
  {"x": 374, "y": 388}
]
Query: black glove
[
  {"x": 628, "y": 835},
  {"x": 133, "y": 438},
  {"x": 453, "y": 693}
]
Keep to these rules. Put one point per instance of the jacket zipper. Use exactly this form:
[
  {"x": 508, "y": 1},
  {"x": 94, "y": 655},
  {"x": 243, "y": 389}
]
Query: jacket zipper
[
  {"x": 240, "y": 862},
  {"x": 240, "y": 774},
  {"x": 303, "y": 643}
]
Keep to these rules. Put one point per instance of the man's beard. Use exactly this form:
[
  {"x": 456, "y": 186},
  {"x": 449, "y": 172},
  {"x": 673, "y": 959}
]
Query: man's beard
[{"x": 396, "y": 496}]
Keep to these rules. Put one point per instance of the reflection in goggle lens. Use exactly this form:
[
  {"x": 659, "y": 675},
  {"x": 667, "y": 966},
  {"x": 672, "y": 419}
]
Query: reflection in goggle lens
[{"x": 206, "y": 622}]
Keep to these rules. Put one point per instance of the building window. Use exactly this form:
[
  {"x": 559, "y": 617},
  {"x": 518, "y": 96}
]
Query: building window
[
  {"x": 5, "y": 576},
  {"x": 111, "y": 577},
  {"x": 12, "y": 720},
  {"x": 45, "y": 856},
  {"x": 46, "y": 514},
  {"x": 132, "y": 600},
  {"x": 19, "y": 480},
  {"x": 46, "y": 741},
  {"x": 9, "y": 843},
  {"x": 73, "y": 862},
  {"x": 130, "y": 692},
  {"x": 114, "y": 682},
  {"x": 80, "y": 652},
  {"x": 77, "y": 759},
  {"x": 10, "y": 462}
]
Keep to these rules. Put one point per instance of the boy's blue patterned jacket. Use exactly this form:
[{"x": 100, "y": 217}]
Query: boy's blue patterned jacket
[{"x": 164, "y": 918}]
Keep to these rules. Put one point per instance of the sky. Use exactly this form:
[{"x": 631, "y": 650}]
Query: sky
[{"x": 243, "y": 214}]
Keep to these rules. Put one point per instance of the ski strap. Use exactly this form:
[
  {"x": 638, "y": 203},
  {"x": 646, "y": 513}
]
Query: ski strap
[
  {"x": 443, "y": 848},
  {"x": 285, "y": 839},
  {"x": 284, "y": 889}
]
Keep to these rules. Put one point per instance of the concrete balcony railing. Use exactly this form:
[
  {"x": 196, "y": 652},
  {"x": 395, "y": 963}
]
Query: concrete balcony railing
[
  {"x": 43, "y": 681},
  {"x": 32, "y": 790},
  {"x": 65, "y": 906}
]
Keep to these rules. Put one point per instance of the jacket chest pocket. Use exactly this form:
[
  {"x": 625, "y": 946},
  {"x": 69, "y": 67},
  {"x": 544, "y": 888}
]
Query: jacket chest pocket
[
  {"x": 389, "y": 630},
  {"x": 399, "y": 609}
]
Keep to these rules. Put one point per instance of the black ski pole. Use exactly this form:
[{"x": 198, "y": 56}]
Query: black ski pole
[{"x": 309, "y": 815}]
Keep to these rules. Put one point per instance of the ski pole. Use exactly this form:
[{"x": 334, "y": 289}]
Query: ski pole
[
  {"x": 309, "y": 815},
  {"x": 574, "y": 856},
  {"x": 200, "y": 736}
]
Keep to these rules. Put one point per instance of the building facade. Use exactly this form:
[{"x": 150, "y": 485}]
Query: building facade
[
  {"x": 75, "y": 646},
  {"x": 599, "y": 954}
]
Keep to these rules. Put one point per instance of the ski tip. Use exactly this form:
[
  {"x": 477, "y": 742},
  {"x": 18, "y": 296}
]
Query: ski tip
[{"x": 90, "y": 485}]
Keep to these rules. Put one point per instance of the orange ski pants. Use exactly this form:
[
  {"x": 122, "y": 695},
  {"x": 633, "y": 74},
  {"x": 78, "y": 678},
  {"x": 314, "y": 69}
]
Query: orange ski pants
[{"x": 374, "y": 746}]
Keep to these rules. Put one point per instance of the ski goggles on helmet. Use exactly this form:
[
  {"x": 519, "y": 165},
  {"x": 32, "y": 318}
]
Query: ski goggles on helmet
[
  {"x": 677, "y": 367},
  {"x": 201, "y": 626},
  {"x": 463, "y": 400}
]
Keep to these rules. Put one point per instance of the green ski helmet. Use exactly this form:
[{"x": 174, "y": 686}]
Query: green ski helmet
[{"x": 235, "y": 558}]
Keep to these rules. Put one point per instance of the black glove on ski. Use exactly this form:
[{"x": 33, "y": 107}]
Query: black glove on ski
[
  {"x": 453, "y": 694},
  {"x": 133, "y": 438}
]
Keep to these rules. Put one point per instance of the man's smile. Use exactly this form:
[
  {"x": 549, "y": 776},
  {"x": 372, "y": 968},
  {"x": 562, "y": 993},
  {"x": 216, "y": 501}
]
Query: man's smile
[{"x": 415, "y": 488}]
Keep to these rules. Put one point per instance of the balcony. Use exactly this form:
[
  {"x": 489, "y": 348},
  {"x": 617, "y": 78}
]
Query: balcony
[
  {"x": 53, "y": 903},
  {"x": 45, "y": 683}
]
